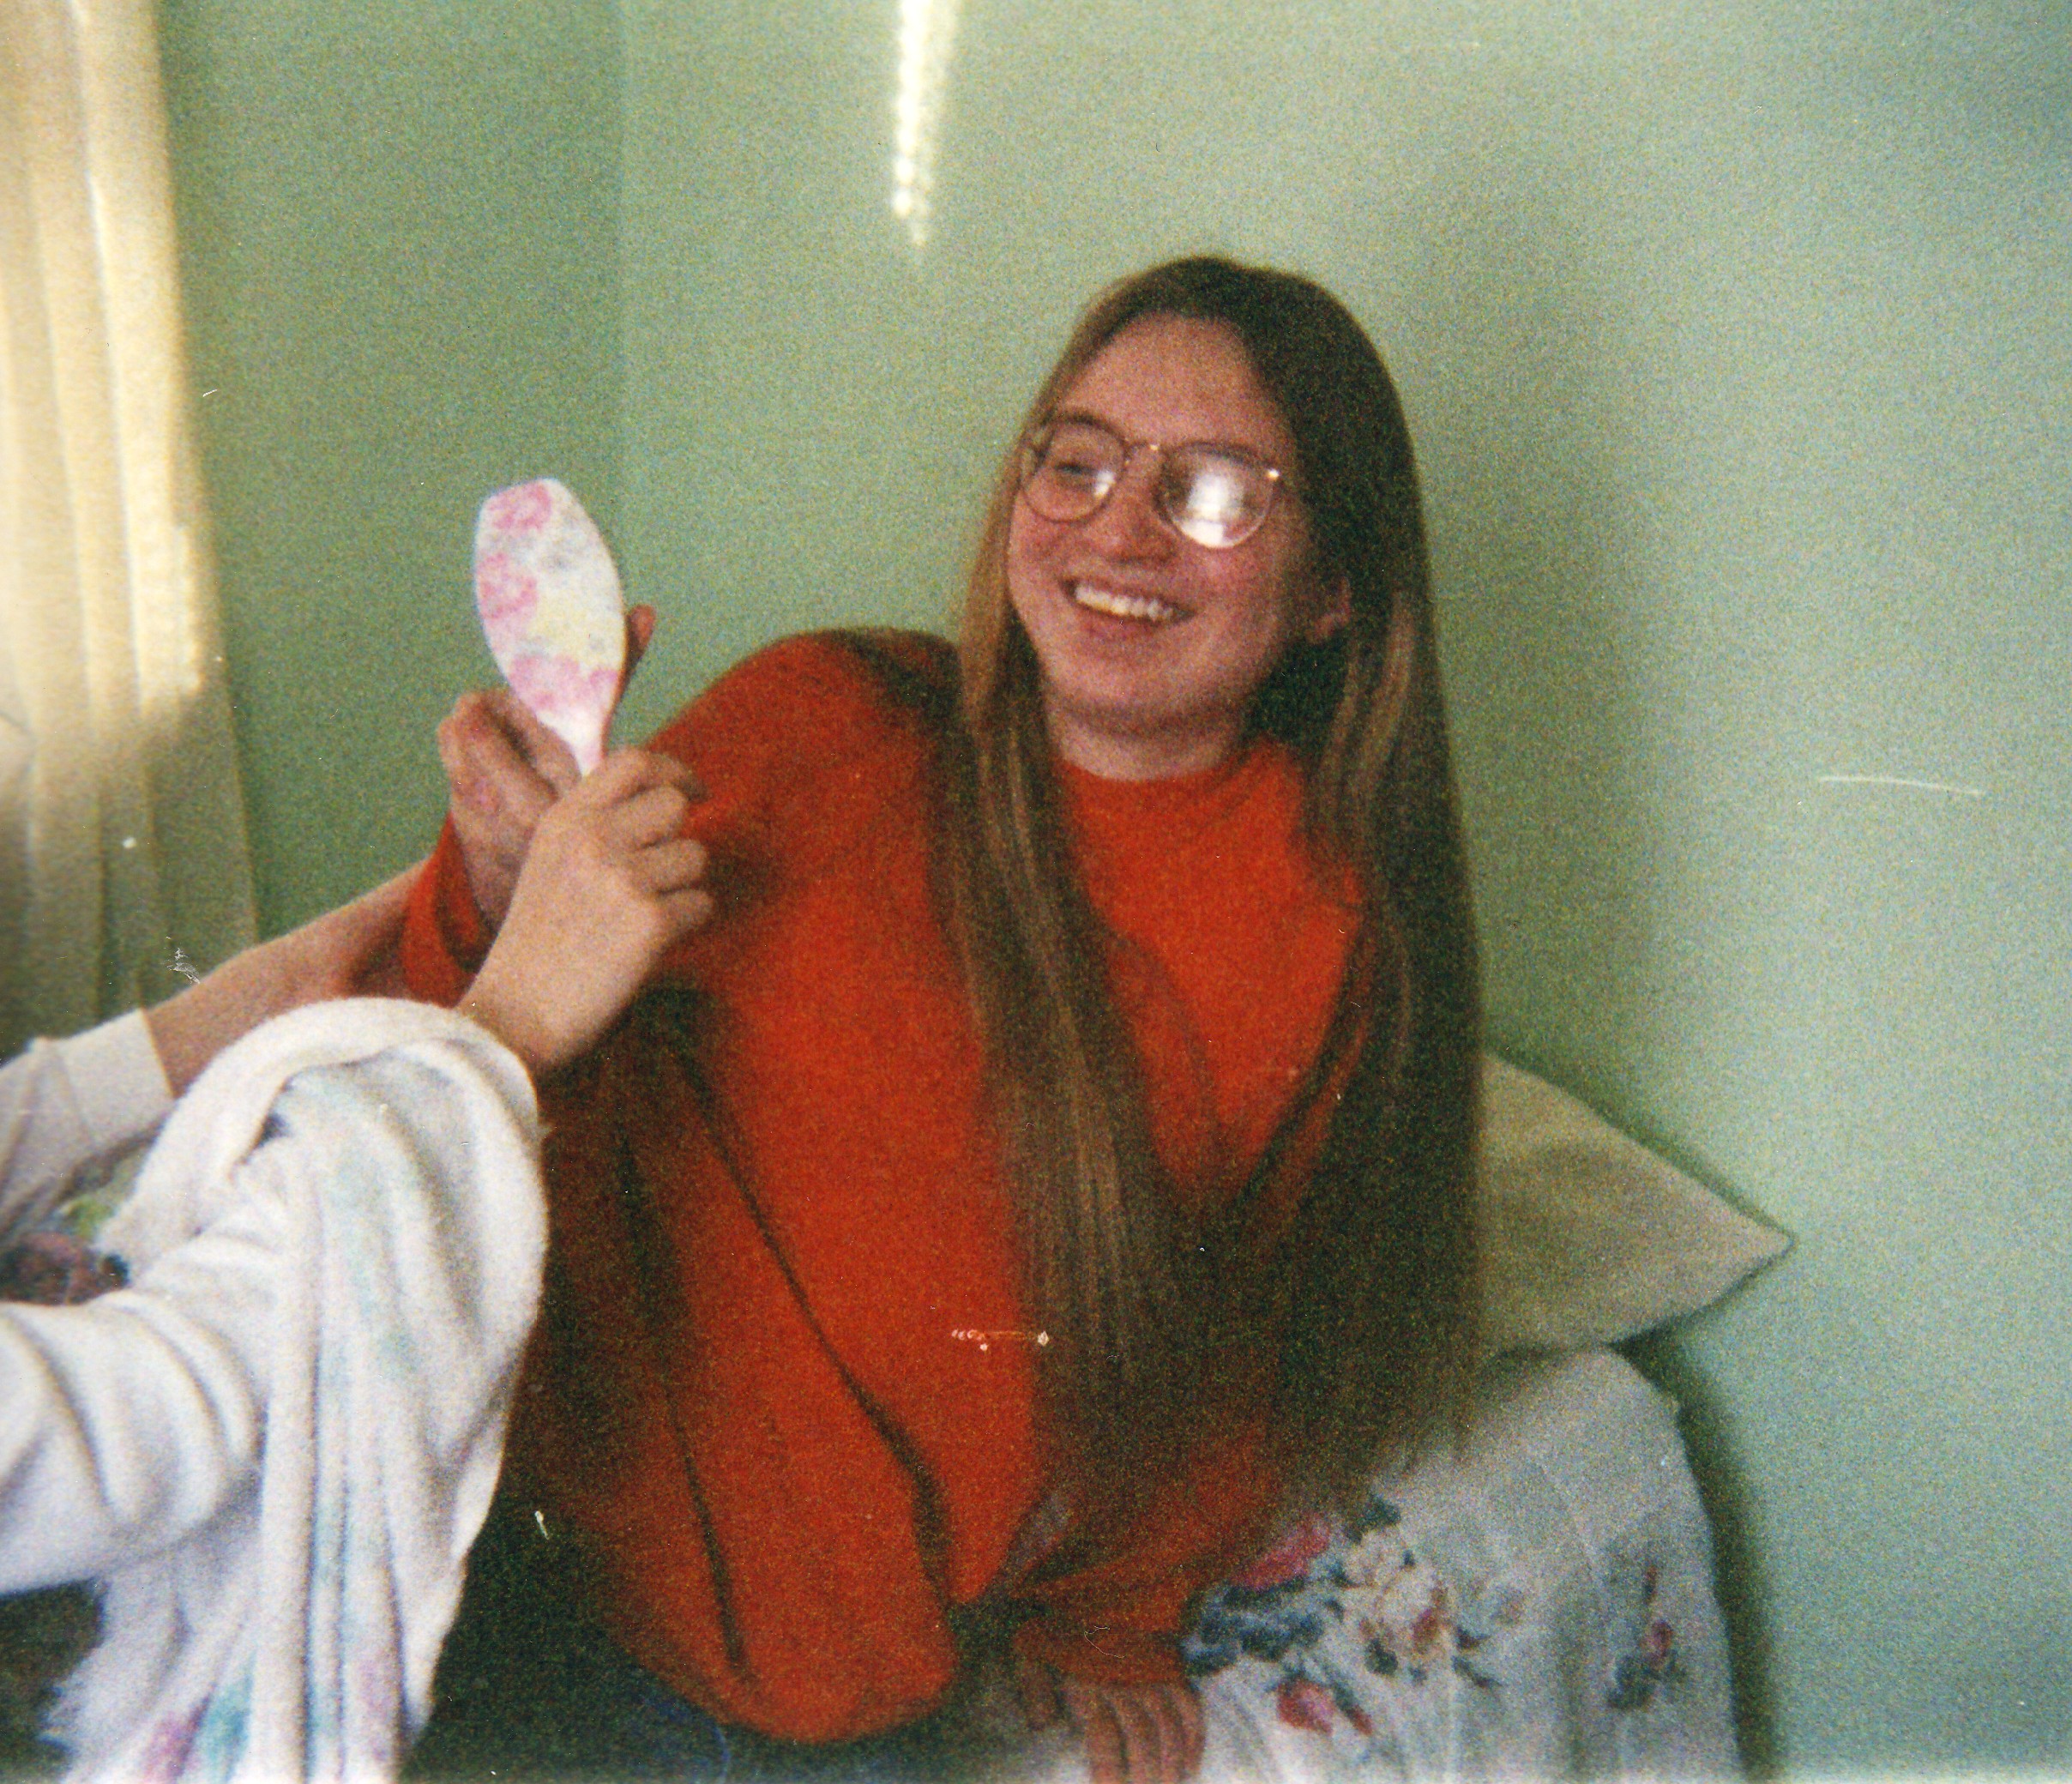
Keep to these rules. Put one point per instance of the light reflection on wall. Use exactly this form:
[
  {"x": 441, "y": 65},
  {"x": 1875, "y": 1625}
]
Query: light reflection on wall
[{"x": 926, "y": 30}]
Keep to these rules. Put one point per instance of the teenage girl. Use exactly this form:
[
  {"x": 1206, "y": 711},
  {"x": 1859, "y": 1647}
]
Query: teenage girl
[{"x": 1052, "y": 1159}]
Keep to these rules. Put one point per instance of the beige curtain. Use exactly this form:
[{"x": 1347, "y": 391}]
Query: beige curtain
[{"x": 122, "y": 857}]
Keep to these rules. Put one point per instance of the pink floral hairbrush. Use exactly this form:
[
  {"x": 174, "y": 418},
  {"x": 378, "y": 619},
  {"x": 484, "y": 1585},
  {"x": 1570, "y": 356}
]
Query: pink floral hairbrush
[{"x": 551, "y": 609}]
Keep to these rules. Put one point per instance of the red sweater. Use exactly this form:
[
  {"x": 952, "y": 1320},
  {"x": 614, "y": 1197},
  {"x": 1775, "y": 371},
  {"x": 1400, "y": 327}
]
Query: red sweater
[{"x": 784, "y": 1397}]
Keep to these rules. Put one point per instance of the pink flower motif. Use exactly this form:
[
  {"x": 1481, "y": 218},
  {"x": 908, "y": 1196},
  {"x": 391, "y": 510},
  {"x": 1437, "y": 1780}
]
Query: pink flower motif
[
  {"x": 1430, "y": 1630},
  {"x": 1288, "y": 1558},
  {"x": 522, "y": 509},
  {"x": 164, "y": 1755},
  {"x": 505, "y": 594},
  {"x": 1303, "y": 1703},
  {"x": 555, "y": 684}
]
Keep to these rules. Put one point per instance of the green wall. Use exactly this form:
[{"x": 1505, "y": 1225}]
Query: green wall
[
  {"x": 400, "y": 235},
  {"x": 1735, "y": 343}
]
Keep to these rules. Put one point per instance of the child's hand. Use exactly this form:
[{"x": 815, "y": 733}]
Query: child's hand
[
  {"x": 1134, "y": 1733},
  {"x": 610, "y": 883},
  {"x": 503, "y": 769}
]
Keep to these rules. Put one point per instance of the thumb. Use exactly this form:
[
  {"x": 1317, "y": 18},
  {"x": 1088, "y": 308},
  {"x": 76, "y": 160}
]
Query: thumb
[{"x": 639, "y": 633}]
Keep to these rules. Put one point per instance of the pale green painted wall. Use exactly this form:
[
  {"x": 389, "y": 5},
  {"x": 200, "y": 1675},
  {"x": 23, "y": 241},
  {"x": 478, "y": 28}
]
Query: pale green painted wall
[
  {"x": 399, "y": 229},
  {"x": 1736, "y": 345}
]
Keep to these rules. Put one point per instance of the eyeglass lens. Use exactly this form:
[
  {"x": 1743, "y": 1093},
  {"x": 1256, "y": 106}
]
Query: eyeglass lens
[{"x": 1212, "y": 495}]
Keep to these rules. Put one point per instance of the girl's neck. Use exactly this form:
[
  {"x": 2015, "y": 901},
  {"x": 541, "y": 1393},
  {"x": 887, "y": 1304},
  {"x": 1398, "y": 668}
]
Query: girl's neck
[{"x": 1114, "y": 755}]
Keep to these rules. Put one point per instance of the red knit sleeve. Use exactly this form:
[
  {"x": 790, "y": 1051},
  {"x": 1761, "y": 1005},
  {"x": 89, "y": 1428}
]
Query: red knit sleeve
[
  {"x": 710, "y": 1410},
  {"x": 727, "y": 734},
  {"x": 1117, "y": 1620},
  {"x": 748, "y": 1536},
  {"x": 444, "y": 937}
]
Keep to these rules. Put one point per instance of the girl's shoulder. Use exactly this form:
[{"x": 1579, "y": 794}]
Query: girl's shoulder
[
  {"x": 814, "y": 689},
  {"x": 815, "y": 745}
]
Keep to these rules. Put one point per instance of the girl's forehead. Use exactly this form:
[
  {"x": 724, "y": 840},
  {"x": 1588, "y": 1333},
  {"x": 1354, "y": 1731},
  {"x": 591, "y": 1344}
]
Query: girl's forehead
[{"x": 1175, "y": 379}]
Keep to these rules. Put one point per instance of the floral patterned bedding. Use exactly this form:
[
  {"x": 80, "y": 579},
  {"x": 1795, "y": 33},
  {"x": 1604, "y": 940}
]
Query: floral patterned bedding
[{"x": 1540, "y": 1608}]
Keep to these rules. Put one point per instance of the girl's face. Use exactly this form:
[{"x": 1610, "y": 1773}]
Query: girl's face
[{"x": 1150, "y": 646}]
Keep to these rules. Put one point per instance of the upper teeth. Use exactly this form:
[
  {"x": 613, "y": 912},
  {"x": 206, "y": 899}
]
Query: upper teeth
[{"x": 1126, "y": 606}]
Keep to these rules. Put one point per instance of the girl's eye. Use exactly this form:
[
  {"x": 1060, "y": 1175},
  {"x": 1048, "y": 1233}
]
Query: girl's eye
[{"x": 1081, "y": 457}]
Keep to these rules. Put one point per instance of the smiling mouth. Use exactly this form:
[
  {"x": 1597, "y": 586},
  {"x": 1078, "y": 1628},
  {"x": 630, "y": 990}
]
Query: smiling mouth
[{"x": 1148, "y": 608}]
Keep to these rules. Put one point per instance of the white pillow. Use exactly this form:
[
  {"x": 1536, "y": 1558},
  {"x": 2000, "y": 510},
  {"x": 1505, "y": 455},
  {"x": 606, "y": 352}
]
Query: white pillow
[{"x": 1587, "y": 1236}]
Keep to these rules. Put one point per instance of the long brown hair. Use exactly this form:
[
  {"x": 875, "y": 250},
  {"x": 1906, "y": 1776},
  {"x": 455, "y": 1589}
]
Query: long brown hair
[{"x": 1371, "y": 1301}]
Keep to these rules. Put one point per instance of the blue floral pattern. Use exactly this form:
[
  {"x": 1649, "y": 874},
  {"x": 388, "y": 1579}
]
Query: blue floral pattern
[
  {"x": 1327, "y": 1592},
  {"x": 1539, "y": 1607}
]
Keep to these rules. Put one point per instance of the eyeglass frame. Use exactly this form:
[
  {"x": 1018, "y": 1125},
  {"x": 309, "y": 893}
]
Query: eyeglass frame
[{"x": 1035, "y": 443}]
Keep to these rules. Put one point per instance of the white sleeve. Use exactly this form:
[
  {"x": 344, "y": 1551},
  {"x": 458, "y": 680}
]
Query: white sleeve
[
  {"x": 129, "y": 1422},
  {"x": 69, "y": 1106}
]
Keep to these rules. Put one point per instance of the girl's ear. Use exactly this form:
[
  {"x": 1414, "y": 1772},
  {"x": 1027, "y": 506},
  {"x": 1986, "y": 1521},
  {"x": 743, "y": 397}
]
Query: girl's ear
[{"x": 1334, "y": 612}]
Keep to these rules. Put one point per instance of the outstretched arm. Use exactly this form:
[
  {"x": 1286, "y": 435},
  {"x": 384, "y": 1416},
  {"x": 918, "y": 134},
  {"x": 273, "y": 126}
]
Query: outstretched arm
[
  {"x": 139, "y": 1413},
  {"x": 607, "y": 885},
  {"x": 348, "y": 952}
]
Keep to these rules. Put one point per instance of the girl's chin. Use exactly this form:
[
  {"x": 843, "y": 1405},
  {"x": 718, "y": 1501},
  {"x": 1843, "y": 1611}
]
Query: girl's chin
[
  {"x": 1116, "y": 699},
  {"x": 1122, "y": 734}
]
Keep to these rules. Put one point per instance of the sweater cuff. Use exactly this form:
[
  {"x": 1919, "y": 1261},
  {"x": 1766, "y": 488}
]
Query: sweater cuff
[{"x": 444, "y": 937}]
